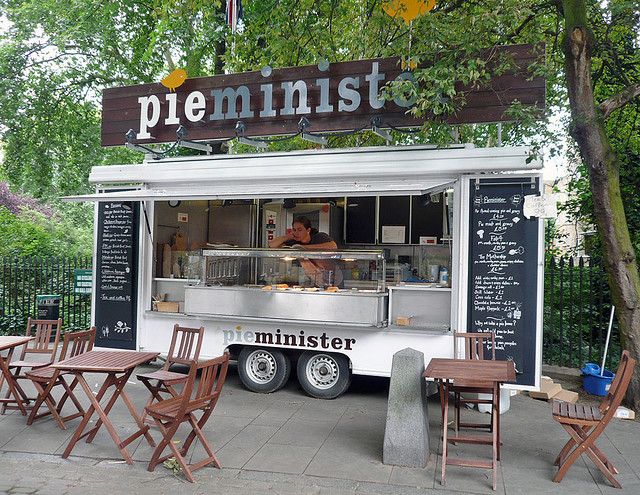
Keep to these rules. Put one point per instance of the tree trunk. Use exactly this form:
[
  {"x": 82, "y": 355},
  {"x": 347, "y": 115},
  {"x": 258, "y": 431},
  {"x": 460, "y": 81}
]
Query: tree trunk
[{"x": 587, "y": 128}]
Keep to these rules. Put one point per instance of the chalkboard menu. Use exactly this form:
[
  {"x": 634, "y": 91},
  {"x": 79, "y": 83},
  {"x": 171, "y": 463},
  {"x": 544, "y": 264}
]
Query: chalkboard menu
[
  {"x": 116, "y": 274},
  {"x": 503, "y": 270}
]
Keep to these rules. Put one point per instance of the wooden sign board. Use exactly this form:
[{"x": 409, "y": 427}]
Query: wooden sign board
[{"x": 341, "y": 96}]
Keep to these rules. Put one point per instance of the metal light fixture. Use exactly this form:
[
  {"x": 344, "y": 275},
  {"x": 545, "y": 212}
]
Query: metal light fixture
[
  {"x": 241, "y": 128},
  {"x": 181, "y": 134},
  {"x": 303, "y": 125},
  {"x": 130, "y": 138},
  {"x": 376, "y": 122}
]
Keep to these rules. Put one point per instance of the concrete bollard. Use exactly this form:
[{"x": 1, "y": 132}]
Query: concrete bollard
[{"x": 406, "y": 435}]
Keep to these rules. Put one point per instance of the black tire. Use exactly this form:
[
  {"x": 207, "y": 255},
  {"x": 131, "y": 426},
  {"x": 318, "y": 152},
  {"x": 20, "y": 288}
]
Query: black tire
[
  {"x": 323, "y": 375},
  {"x": 262, "y": 369}
]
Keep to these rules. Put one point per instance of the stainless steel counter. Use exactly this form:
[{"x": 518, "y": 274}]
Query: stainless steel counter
[{"x": 344, "y": 307}]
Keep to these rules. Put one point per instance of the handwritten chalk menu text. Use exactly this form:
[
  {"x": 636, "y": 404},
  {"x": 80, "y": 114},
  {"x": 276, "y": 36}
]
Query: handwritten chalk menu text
[
  {"x": 503, "y": 270},
  {"x": 116, "y": 272}
]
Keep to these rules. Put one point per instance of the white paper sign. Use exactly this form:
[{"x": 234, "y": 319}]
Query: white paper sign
[
  {"x": 544, "y": 206},
  {"x": 393, "y": 234}
]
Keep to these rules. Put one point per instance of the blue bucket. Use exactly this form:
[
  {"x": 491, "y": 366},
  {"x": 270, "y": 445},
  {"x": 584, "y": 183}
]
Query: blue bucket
[
  {"x": 590, "y": 369},
  {"x": 597, "y": 384}
]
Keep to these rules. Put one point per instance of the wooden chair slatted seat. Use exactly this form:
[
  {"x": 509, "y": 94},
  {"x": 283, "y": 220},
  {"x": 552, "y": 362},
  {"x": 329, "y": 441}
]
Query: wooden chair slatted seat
[
  {"x": 185, "y": 347},
  {"x": 586, "y": 423},
  {"x": 45, "y": 379},
  {"x": 43, "y": 349},
  {"x": 169, "y": 414}
]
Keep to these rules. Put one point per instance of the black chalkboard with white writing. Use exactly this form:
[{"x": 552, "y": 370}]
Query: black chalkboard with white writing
[
  {"x": 503, "y": 269},
  {"x": 116, "y": 274}
]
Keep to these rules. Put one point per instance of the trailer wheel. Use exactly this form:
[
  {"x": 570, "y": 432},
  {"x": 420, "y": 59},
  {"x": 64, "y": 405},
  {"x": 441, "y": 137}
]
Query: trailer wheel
[
  {"x": 323, "y": 375},
  {"x": 263, "y": 370}
]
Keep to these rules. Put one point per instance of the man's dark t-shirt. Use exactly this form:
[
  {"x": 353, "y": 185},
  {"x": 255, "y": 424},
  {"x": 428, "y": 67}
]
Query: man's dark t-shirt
[
  {"x": 316, "y": 238},
  {"x": 331, "y": 273}
]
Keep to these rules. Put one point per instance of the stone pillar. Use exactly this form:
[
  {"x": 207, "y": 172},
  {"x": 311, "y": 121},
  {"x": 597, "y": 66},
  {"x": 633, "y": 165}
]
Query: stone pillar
[{"x": 406, "y": 435}]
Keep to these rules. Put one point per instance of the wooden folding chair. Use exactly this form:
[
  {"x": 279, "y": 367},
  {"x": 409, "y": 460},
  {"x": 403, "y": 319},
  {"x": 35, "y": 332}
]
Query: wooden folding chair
[
  {"x": 45, "y": 379},
  {"x": 40, "y": 346},
  {"x": 474, "y": 349},
  {"x": 170, "y": 413},
  {"x": 184, "y": 348},
  {"x": 586, "y": 423}
]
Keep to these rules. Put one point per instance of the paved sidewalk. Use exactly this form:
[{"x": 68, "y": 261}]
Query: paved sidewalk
[{"x": 288, "y": 443}]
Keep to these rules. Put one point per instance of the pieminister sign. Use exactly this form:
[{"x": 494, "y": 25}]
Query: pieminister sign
[{"x": 333, "y": 97}]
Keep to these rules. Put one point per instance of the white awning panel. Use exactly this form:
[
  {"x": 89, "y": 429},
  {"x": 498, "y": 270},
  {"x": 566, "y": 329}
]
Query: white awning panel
[
  {"x": 248, "y": 190},
  {"x": 335, "y": 172}
]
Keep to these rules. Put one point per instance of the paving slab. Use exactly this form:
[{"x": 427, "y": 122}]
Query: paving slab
[
  {"x": 302, "y": 433},
  {"x": 241, "y": 448},
  {"x": 292, "y": 459}
]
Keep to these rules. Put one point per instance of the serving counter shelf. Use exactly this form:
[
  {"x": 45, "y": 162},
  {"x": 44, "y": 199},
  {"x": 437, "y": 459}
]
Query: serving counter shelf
[{"x": 346, "y": 307}]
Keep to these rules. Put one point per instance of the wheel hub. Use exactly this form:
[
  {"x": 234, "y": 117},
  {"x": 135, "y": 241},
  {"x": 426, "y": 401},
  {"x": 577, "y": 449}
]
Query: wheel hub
[
  {"x": 322, "y": 371},
  {"x": 261, "y": 366}
]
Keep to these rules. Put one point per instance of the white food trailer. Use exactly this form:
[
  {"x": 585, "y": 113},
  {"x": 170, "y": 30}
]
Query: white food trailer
[{"x": 160, "y": 232}]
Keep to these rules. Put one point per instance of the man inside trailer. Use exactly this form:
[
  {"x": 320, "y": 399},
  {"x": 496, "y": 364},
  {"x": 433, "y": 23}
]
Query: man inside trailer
[{"x": 302, "y": 236}]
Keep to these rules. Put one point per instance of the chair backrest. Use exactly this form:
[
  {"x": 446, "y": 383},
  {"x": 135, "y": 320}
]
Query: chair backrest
[
  {"x": 185, "y": 345},
  {"x": 42, "y": 330},
  {"x": 619, "y": 385},
  {"x": 474, "y": 344},
  {"x": 213, "y": 374},
  {"x": 76, "y": 343}
]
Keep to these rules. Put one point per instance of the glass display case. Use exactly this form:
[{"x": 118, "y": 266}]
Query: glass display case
[
  {"x": 291, "y": 285},
  {"x": 290, "y": 269}
]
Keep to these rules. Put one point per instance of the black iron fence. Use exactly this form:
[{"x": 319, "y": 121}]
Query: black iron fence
[
  {"x": 24, "y": 278},
  {"x": 577, "y": 305}
]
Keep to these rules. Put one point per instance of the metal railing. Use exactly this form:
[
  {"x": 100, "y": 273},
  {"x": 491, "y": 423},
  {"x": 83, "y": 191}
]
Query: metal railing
[
  {"x": 577, "y": 304},
  {"x": 23, "y": 278}
]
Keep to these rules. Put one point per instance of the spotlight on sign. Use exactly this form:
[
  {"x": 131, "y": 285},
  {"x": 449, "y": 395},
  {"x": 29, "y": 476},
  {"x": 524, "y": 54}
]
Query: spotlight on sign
[
  {"x": 241, "y": 128},
  {"x": 303, "y": 125},
  {"x": 181, "y": 134}
]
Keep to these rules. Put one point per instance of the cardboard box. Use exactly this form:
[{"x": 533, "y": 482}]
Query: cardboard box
[
  {"x": 567, "y": 396},
  {"x": 548, "y": 389},
  {"x": 403, "y": 321},
  {"x": 167, "y": 306},
  {"x": 624, "y": 413}
]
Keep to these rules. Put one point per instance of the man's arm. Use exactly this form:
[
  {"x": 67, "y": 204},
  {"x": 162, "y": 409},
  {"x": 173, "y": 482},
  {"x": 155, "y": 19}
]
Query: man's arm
[
  {"x": 279, "y": 241},
  {"x": 323, "y": 246}
]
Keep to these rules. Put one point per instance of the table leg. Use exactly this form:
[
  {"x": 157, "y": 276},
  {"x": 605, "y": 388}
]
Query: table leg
[
  {"x": 498, "y": 420},
  {"x": 143, "y": 430},
  {"x": 119, "y": 383},
  {"x": 494, "y": 433},
  {"x": 12, "y": 389},
  {"x": 78, "y": 434},
  {"x": 104, "y": 420},
  {"x": 119, "y": 392},
  {"x": 445, "y": 421}
]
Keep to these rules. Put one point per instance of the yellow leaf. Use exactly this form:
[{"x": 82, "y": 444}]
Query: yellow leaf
[{"x": 408, "y": 9}]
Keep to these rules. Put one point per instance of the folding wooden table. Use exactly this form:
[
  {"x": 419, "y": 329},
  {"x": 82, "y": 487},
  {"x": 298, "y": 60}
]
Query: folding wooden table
[
  {"x": 446, "y": 372},
  {"x": 117, "y": 366},
  {"x": 10, "y": 343}
]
